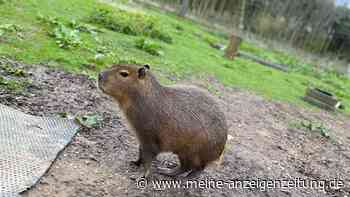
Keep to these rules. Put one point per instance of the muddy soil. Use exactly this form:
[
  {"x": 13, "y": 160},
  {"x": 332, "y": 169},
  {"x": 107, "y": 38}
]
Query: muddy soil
[{"x": 263, "y": 144}]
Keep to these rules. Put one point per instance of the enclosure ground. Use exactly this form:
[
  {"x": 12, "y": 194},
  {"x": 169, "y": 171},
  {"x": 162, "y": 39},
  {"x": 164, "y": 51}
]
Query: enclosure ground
[{"x": 264, "y": 143}]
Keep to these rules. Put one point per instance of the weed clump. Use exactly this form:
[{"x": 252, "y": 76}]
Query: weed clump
[
  {"x": 6, "y": 29},
  {"x": 131, "y": 23},
  {"x": 12, "y": 85},
  {"x": 9, "y": 70},
  {"x": 148, "y": 46},
  {"x": 65, "y": 36},
  {"x": 82, "y": 27},
  {"x": 312, "y": 126},
  {"x": 12, "y": 79}
]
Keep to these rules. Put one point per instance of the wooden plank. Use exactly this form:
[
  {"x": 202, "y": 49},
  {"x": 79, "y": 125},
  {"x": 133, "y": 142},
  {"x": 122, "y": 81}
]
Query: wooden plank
[
  {"x": 322, "y": 96},
  {"x": 321, "y": 99},
  {"x": 319, "y": 103},
  {"x": 263, "y": 62}
]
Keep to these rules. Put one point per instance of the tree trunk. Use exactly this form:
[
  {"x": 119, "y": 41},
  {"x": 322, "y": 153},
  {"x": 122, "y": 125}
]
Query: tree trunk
[
  {"x": 242, "y": 17},
  {"x": 232, "y": 49},
  {"x": 184, "y": 8}
]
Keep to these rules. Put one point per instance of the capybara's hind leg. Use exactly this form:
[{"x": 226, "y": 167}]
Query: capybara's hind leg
[
  {"x": 195, "y": 167},
  {"x": 183, "y": 168},
  {"x": 191, "y": 173},
  {"x": 170, "y": 171}
]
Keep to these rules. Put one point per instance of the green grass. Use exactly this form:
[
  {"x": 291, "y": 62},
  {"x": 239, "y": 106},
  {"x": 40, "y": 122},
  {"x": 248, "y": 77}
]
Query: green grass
[{"x": 188, "y": 54}]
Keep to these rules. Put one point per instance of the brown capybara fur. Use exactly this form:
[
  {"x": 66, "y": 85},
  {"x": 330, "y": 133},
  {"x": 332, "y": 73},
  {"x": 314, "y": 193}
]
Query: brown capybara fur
[{"x": 184, "y": 120}]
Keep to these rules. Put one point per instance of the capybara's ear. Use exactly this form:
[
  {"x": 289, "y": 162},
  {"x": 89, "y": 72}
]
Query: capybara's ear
[
  {"x": 147, "y": 66},
  {"x": 142, "y": 72}
]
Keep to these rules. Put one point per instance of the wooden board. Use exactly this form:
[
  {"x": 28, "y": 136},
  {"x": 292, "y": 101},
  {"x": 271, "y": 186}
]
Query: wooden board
[
  {"x": 322, "y": 99},
  {"x": 263, "y": 62}
]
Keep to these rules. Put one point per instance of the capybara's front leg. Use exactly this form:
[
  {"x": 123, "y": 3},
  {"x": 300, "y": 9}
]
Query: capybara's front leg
[
  {"x": 139, "y": 161},
  {"x": 148, "y": 154}
]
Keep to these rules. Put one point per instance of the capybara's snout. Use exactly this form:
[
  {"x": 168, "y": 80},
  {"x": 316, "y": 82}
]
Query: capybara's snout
[
  {"x": 102, "y": 76},
  {"x": 101, "y": 79}
]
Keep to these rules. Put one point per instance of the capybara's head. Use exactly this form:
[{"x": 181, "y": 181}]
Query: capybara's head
[{"x": 122, "y": 79}]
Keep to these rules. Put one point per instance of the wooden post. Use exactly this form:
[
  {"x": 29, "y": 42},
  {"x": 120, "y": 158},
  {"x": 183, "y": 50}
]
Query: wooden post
[{"x": 232, "y": 49}]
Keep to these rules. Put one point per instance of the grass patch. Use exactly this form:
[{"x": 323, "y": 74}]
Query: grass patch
[
  {"x": 108, "y": 35},
  {"x": 130, "y": 23},
  {"x": 8, "y": 30},
  {"x": 65, "y": 37},
  {"x": 148, "y": 46},
  {"x": 270, "y": 55}
]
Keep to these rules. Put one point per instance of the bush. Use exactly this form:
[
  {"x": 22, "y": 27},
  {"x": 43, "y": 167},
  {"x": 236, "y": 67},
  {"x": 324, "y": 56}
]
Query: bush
[
  {"x": 130, "y": 23},
  {"x": 148, "y": 46}
]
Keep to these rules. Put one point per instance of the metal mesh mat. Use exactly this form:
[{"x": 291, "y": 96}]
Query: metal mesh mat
[{"x": 28, "y": 146}]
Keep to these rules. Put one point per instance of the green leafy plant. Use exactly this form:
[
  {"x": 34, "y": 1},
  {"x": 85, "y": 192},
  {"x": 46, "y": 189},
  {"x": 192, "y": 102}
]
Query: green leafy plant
[
  {"x": 10, "y": 28},
  {"x": 65, "y": 37},
  {"x": 148, "y": 46},
  {"x": 131, "y": 23},
  {"x": 312, "y": 126},
  {"x": 48, "y": 20},
  {"x": 103, "y": 53},
  {"x": 89, "y": 120},
  {"x": 13, "y": 71},
  {"x": 83, "y": 27},
  {"x": 12, "y": 84}
]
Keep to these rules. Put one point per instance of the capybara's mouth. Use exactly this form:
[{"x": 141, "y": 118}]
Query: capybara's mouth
[
  {"x": 100, "y": 79},
  {"x": 100, "y": 86}
]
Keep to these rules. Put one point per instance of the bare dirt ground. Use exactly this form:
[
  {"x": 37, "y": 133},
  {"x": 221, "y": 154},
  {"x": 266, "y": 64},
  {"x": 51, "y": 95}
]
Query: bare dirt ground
[{"x": 263, "y": 144}]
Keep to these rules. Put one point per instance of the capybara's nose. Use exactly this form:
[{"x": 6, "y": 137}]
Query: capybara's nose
[{"x": 101, "y": 76}]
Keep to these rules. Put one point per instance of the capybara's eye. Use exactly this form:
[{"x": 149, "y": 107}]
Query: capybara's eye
[{"x": 124, "y": 73}]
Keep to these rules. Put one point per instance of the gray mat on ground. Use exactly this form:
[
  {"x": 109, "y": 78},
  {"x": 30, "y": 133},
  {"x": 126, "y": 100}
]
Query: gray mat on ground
[{"x": 28, "y": 146}]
